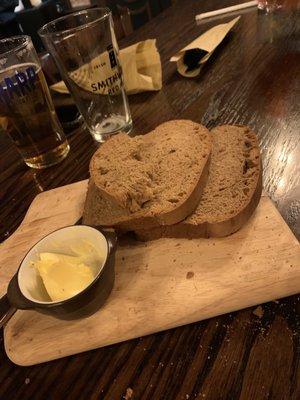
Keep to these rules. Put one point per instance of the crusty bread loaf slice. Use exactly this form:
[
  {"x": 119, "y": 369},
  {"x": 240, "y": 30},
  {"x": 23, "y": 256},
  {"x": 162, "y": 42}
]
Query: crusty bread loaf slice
[
  {"x": 232, "y": 191},
  {"x": 150, "y": 180}
]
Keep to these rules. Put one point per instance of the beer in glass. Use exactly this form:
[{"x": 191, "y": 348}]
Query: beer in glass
[{"x": 26, "y": 102}]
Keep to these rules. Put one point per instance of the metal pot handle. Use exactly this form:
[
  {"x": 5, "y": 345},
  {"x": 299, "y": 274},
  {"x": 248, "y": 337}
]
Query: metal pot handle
[
  {"x": 111, "y": 238},
  {"x": 6, "y": 310},
  {"x": 15, "y": 296}
]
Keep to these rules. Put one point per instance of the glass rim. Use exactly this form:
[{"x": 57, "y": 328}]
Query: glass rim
[
  {"x": 26, "y": 42},
  {"x": 43, "y": 33}
]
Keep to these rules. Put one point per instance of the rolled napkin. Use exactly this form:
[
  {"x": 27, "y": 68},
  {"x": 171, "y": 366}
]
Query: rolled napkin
[
  {"x": 141, "y": 68},
  {"x": 191, "y": 58}
]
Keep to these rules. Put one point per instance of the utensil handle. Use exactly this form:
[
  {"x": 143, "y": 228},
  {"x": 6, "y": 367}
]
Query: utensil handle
[
  {"x": 6, "y": 310},
  {"x": 226, "y": 10}
]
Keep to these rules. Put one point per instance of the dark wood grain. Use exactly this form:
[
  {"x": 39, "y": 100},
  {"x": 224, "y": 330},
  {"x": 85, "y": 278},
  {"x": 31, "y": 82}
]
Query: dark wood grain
[{"x": 253, "y": 78}]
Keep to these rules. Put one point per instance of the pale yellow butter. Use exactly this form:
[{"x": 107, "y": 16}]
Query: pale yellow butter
[{"x": 63, "y": 276}]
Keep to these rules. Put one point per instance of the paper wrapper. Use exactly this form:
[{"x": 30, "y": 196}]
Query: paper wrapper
[
  {"x": 141, "y": 68},
  {"x": 192, "y": 57}
]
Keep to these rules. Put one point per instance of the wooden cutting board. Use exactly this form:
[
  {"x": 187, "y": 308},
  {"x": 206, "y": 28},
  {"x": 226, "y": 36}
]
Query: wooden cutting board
[{"x": 159, "y": 285}]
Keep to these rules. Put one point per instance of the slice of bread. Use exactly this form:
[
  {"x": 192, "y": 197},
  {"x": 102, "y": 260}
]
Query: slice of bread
[
  {"x": 232, "y": 191},
  {"x": 149, "y": 180}
]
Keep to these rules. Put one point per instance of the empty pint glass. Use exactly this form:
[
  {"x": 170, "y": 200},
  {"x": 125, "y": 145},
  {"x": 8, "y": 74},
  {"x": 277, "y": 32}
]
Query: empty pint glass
[{"x": 84, "y": 47}]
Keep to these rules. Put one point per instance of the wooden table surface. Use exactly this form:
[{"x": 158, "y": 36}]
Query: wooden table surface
[{"x": 253, "y": 78}]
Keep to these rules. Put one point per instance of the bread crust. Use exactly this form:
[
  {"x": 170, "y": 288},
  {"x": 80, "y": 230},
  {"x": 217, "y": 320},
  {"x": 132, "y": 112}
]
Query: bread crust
[
  {"x": 220, "y": 228},
  {"x": 120, "y": 217}
]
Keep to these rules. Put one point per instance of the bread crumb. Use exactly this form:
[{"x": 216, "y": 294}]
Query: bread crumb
[
  {"x": 259, "y": 312},
  {"x": 190, "y": 275},
  {"x": 27, "y": 380},
  {"x": 129, "y": 393}
]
